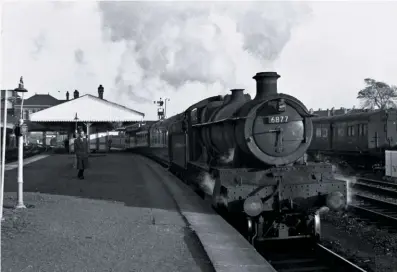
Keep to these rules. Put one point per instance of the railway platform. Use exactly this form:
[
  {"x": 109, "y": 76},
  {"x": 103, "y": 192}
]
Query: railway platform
[{"x": 128, "y": 214}]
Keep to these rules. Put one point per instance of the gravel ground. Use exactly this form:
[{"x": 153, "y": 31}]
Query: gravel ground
[
  {"x": 118, "y": 219},
  {"x": 370, "y": 247}
]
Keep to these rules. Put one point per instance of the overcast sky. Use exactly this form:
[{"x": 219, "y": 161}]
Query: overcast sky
[{"x": 141, "y": 51}]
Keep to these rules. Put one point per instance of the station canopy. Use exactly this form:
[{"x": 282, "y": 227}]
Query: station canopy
[{"x": 89, "y": 109}]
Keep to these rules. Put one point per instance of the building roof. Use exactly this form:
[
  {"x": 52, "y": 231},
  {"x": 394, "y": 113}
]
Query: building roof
[
  {"x": 40, "y": 100},
  {"x": 350, "y": 116},
  {"x": 88, "y": 108},
  {"x": 333, "y": 111}
]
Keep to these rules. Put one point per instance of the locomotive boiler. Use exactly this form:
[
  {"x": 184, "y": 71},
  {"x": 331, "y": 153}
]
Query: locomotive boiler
[
  {"x": 253, "y": 150},
  {"x": 270, "y": 130}
]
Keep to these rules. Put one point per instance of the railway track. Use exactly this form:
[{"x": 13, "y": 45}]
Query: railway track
[
  {"x": 377, "y": 210},
  {"x": 292, "y": 258},
  {"x": 384, "y": 188}
]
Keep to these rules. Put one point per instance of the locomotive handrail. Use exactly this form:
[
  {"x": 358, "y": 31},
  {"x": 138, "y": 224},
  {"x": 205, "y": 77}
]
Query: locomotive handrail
[
  {"x": 221, "y": 121},
  {"x": 205, "y": 102}
]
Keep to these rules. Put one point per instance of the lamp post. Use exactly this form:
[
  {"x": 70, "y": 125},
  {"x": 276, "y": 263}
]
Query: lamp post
[
  {"x": 3, "y": 152},
  {"x": 75, "y": 131},
  {"x": 20, "y": 204},
  {"x": 76, "y": 119},
  {"x": 22, "y": 90}
]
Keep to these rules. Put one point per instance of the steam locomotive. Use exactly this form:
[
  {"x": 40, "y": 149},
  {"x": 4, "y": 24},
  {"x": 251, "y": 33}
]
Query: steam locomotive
[{"x": 253, "y": 150}]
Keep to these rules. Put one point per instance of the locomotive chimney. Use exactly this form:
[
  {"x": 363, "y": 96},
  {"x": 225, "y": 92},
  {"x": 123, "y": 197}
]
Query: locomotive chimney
[{"x": 266, "y": 84}]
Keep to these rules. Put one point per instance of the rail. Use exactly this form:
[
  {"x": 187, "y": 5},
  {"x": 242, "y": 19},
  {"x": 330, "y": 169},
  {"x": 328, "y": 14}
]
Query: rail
[
  {"x": 377, "y": 210},
  {"x": 308, "y": 258},
  {"x": 378, "y": 183}
]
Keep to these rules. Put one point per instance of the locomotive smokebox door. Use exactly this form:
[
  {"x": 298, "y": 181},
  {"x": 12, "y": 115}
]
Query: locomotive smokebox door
[{"x": 278, "y": 130}]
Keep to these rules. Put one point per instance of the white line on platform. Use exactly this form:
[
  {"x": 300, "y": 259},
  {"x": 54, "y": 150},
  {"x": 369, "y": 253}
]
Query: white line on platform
[{"x": 13, "y": 165}]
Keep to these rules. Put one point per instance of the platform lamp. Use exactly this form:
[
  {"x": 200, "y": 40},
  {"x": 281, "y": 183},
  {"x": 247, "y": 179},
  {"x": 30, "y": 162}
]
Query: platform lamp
[{"x": 75, "y": 132}]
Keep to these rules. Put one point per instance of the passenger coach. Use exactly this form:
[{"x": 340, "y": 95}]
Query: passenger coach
[{"x": 362, "y": 137}]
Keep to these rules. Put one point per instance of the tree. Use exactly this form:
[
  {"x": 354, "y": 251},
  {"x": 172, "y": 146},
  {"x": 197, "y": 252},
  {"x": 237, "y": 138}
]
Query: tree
[{"x": 378, "y": 95}]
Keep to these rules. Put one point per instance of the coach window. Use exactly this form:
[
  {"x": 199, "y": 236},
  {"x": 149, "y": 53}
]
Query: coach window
[
  {"x": 324, "y": 132},
  {"x": 365, "y": 129},
  {"x": 352, "y": 131},
  {"x": 360, "y": 129},
  {"x": 318, "y": 132},
  {"x": 164, "y": 138},
  {"x": 341, "y": 131}
]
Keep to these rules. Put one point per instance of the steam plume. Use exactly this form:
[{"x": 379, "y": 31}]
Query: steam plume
[
  {"x": 350, "y": 180},
  {"x": 207, "y": 183},
  {"x": 206, "y": 47},
  {"x": 227, "y": 158}
]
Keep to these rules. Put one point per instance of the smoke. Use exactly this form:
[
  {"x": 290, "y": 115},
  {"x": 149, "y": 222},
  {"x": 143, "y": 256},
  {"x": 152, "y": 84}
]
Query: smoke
[
  {"x": 170, "y": 47},
  {"x": 79, "y": 56},
  {"x": 342, "y": 174},
  {"x": 228, "y": 157},
  {"x": 39, "y": 43},
  {"x": 207, "y": 183}
]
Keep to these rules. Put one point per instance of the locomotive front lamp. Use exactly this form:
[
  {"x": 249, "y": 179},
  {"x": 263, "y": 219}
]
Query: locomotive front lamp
[{"x": 253, "y": 206}]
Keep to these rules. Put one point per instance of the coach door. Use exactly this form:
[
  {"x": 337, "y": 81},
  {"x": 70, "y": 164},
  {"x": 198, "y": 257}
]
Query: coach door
[{"x": 391, "y": 129}]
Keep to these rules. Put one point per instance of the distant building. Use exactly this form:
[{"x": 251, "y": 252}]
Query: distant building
[{"x": 34, "y": 104}]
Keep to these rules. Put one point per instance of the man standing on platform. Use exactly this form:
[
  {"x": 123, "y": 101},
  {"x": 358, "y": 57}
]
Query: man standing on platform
[{"x": 81, "y": 151}]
